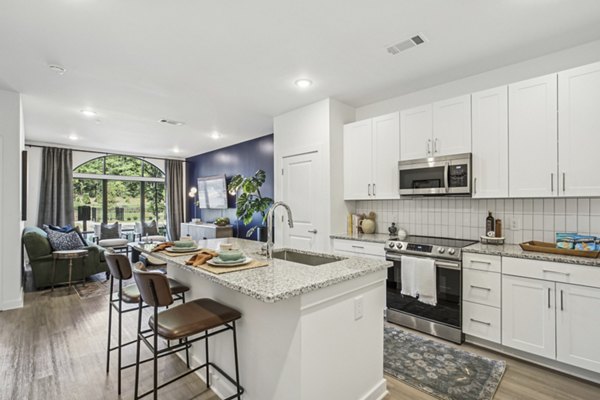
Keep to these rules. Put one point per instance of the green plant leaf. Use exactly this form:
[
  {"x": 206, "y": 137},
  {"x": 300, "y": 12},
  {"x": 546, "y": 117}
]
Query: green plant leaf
[{"x": 260, "y": 176}]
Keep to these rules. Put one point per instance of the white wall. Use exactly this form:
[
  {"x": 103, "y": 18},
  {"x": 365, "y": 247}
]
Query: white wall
[
  {"x": 547, "y": 64},
  {"x": 11, "y": 144}
]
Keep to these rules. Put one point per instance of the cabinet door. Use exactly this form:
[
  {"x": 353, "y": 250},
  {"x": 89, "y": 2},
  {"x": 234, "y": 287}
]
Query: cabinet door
[
  {"x": 578, "y": 326},
  {"x": 532, "y": 127},
  {"x": 528, "y": 315},
  {"x": 490, "y": 143},
  {"x": 357, "y": 160},
  {"x": 452, "y": 126},
  {"x": 386, "y": 154},
  {"x": 579, "y": 131},
  {"x": 416, "y": 130}
]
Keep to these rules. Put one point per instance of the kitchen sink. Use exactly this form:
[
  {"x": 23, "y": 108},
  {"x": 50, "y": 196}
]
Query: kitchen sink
[{"x": 304, "y": 258}]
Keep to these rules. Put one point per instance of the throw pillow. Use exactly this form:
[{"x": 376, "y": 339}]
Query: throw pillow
[
  {"x": 150, "y": 229},
  {"x": 109, "y": 231},
  {"x": 67, "y": 229},
  {"x": 64, "y": 241}
]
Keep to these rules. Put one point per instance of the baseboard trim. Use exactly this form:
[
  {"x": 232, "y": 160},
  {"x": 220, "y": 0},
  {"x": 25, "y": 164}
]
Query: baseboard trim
[
  {"x": 13, "y": 304},
  {"x": 378, "y": 392}
]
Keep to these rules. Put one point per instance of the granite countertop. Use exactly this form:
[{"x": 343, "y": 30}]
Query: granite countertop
[
  {"x": 281, "y": 279},
  {"x": 363, "y": 237},
  {"x": 514, "y": 250}
]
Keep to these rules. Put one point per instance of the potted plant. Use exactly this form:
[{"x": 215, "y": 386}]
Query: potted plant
[{"x": 251, "y": 201}]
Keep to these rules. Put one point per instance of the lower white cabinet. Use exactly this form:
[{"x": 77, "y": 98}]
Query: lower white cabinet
[
  {"x": 359, "y": 248},
  {"x": 482, "y": 321},
  {"x": 528, "y": 315},
  {"x": 578, "y": 326}
]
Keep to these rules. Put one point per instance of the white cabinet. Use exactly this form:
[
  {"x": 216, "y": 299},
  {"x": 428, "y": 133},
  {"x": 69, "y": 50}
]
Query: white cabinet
[
  {"x": 360, "y": 248},
  {"x": 358, "y": 147},
  {"x": 532, "y": 127},
  {"x": 205, "y": 231},
  {"x": 452, "y": 126},
  {"x": 482, "y": 321},
  {"x": 371, "y": 154},
  {"x": 528, "y": 315},
  {"x": 438, "y": 129},
  {"x": 578, "y": 326},
  {"x": 490, "y": 143},
  {"x": 416, "y": 132},
  {"x": 579, "y": 130}
]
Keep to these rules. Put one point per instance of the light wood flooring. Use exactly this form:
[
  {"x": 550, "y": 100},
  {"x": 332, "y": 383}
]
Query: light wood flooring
[{"x": 54, "y": 348}]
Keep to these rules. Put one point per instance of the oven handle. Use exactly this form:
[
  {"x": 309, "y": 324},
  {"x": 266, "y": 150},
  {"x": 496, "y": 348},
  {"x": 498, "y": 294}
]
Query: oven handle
[{"x": 440, "y": 264}]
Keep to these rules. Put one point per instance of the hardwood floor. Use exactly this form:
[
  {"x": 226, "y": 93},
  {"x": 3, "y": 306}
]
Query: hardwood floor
[{"x": 54, "y": 348}]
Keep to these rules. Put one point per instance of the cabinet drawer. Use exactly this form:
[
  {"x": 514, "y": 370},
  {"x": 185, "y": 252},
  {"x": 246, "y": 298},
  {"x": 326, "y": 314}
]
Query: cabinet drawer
[
  {"x": 482, "y": 262},
  {"x": 552, "y": 271},
  {"x": 358, "y": 247},
  {"x": 482, "y": 321},
  {"x": 482, "y": 287}
]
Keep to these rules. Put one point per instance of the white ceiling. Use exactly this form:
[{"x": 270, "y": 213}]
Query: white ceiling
[{"x": 230, "y": 65}]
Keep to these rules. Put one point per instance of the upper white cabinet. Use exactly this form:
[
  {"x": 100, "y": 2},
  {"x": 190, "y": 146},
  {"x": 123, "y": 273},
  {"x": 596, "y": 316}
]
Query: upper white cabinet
[
  {"x": 437, "y": 129},
  {"x": 490, "y": 143},
  {"x": 452, "y": 126},
  {"x": 528, "y": 316},
  {"x": 416, "y": 131},
  {"x": 579, "y": 130},
  {"x": 371, "y": 154},
  {"x": 532, "y": 126}
]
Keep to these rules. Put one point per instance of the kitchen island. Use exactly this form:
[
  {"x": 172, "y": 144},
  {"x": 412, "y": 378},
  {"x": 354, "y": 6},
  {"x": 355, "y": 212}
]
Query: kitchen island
[{"x": 307, "y": 331}]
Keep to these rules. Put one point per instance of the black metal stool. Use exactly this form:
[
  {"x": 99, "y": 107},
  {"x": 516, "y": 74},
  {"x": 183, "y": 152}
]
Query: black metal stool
[
  {"x": 180, "y": 323},
  {"x": 120, "y": 269}
]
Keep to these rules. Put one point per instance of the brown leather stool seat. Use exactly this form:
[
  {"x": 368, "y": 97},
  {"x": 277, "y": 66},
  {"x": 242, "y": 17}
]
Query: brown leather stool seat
[
  {"x": 193, "y": 317},
  {"x": 131, "y": 293}
]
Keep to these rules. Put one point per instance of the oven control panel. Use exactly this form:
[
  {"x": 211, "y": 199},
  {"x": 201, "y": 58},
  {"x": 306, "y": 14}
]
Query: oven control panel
[{"x": 421, "y": 248}]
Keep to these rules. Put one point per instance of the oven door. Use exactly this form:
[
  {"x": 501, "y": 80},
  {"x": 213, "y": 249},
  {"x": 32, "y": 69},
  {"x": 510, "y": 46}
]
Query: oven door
[{"x": 447, "y": 311}]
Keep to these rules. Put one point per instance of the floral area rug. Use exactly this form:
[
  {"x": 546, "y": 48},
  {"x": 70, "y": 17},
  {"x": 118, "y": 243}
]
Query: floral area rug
[{"x": 438, "y": 369}]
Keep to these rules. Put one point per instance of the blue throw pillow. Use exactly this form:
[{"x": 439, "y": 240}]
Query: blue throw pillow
[
  {"x": 67, "y": 229},
  {"x": 64, "y": 241}
]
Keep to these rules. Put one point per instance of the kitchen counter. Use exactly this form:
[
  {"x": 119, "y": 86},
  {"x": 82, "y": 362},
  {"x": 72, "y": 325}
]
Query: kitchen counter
[
  {"x": 514, "y": 250},
  {"x": 281, "y": 279},
  {"x": 364, "y": 237},
  {"x": 306, "y": 332}
]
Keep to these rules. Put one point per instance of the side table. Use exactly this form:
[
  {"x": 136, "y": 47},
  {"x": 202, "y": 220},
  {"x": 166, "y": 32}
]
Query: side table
[{"x": 67, "y": 255}]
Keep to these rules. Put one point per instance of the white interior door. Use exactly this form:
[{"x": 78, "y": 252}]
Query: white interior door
[{"x": 301, "y": 188}]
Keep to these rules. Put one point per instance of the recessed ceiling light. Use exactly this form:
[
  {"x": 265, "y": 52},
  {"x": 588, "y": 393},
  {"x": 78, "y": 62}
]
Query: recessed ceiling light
[
  {"x": 303, "y": 83},
  {"x": 73, "y": 136},
  {"x": 88, "y": 113},
  {"x": 176, "y": 150},
  {"x": 57, "y": 68},
  {"x": 171, "y": 122},
  {"x": 215, "y": 135}
]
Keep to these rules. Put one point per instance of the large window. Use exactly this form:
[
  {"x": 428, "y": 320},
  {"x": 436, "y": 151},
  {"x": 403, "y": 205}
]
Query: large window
[{"x": 118, "y": 188}]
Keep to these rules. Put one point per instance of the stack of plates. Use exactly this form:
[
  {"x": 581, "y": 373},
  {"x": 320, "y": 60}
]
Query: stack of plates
[
  {"x": 217, "y": 262},
  {"x": 181, "y": 249}
]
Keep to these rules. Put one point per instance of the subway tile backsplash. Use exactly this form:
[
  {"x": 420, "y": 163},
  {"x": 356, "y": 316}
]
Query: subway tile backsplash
[{"x": 522, "y": 219}]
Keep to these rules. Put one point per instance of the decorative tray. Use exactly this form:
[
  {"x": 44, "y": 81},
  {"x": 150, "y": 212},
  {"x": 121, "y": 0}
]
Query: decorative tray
[{"x": 545, "y": 247}]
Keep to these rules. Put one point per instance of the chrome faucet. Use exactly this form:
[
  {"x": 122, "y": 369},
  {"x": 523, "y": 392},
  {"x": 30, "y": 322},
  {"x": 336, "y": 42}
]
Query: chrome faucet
[{"x": 270, "y": 220}]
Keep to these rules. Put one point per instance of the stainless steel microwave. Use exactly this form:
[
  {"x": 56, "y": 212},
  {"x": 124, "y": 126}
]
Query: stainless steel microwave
[{"x": 447, "y": 175}]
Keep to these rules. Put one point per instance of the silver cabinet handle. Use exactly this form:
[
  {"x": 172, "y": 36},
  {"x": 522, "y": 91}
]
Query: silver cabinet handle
[
  {"x": 549, "y": 271},
  {"x": 475, "y": 185},
  {"x": 428, "y": 146},
  {"x": 564, "y": 182},
  {"x": 357, "y": 247},
  {"x": 481, "y": 287},
  {"x": 435, "y": 149},
  {"x": 562, "y": 304},
  {"x": 481, "y": 322},
  {"x": 312, "y": 231},
  {"x": 369, "y": 189},
  {"x": 373, "y": 189},
  {"x": 548, "y": 297},
  {"x": 552, "y": 182},
  {"x": 481, "y": 262}
]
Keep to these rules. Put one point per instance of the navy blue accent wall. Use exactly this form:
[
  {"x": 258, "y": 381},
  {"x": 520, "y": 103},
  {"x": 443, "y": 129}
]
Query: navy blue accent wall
[{"x": 243, "y": 158}]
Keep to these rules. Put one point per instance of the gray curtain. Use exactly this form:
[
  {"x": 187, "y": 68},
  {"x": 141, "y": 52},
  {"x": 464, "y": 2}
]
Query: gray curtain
[
  {"x": 56, "y": 191},
  {"x": 174, "y": 198}
]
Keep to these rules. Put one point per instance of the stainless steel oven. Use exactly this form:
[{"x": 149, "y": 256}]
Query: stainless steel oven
[
  {"x": 444, "y": 319},
  {"x": 445, "y": 175}
]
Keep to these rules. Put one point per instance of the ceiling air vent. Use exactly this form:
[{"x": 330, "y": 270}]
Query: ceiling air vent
[
  {"x": 170, "y": 122},
  {"x": 407, "y": 44}
]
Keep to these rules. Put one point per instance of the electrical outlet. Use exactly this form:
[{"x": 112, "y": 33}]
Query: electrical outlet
[
  {"x": 358, "y": 308},
  {"x": 516, "y": 222}
]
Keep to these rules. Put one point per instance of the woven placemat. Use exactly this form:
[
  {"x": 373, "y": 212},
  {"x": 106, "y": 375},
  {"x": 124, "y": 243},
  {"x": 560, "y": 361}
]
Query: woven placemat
[{"x": 224, "y": 270}]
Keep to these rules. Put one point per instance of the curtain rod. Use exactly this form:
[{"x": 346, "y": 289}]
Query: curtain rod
[{"x": 106, "y": 153}]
